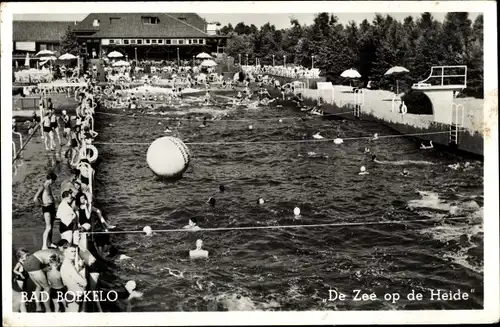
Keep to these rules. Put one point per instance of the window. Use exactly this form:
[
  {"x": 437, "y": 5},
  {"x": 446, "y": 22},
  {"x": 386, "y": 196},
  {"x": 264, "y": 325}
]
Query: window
[
  {"x": 189, "y": 41},
  {"x": 113, "y": 20},
  {"x": 154, "y": 41},
  {"x": 125, "y": 41},
  {"x": 180, "y": 41},
  {"x": 132, "y": 41},
  {"x": 139, "y": 41},
  {"x": 195, "y": 41},
  {"x": 148, "y": 41},
  {"x": 150, "y": 20},
  {"x": 96, "y": 23},
  {"x": 174, "y": 41},
  {"x": 182, "y": 18},
  {"x": 111, "y": 41},
  {"x": 201, "y": 41},
  {"x": 43, "y": 47},
  {"x": 160, "y": 41},
  {"x": 168, "y": 41}
]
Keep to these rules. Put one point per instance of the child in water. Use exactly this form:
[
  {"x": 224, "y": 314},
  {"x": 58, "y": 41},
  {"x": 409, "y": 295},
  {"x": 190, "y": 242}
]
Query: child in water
[{"x": 57, "y": 288}]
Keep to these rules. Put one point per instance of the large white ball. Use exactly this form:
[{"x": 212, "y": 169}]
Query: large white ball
[{"x": 168, "y": 157}]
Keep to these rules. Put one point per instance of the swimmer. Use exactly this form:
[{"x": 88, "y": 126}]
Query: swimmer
[
  {"x": 67, "y": 127},
  {"x": 401, "y": 162},
  {"x": 211, "y": 201},
  {"x": 367, "y": 150},
  {"x": 198, "y": 252},
  {"x": 222, "y": 188},
  {"x": 424, "y": 147},
  {"x": 192, "y": 225},
  {"x": 362, "y": 171},
  {"x": 375, "y": 137},
  {"x": 405, "y": 172},
  {"x": 260, "y": 201}
]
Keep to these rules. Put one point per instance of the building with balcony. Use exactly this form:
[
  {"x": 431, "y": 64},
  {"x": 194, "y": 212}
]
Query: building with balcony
[{"x": 147, "y": 36}]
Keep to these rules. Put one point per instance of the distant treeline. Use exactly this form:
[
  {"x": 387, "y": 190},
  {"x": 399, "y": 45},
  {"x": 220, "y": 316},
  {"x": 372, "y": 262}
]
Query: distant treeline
[{"x": 371, "y": 48}]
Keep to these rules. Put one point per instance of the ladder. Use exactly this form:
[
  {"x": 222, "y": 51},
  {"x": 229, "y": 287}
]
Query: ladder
[{"x": 457, "y": 119}]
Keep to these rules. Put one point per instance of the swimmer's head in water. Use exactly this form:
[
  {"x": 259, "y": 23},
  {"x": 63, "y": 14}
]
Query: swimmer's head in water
[
  {"x": 362, "y": 169},
  {"x": 222, "y": 188},
  {"x": 211, "y": 201},
  {"x": 374, "y": 157},
  {"x": 192, "y": 221}
]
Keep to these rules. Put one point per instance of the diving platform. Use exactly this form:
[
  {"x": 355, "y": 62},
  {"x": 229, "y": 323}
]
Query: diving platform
[{"x": 441, "y": 87}]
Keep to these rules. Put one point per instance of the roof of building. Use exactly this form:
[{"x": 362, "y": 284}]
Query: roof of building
[
  {"x": 39, "y": 31},
  {"x": 170, "y": 25}
]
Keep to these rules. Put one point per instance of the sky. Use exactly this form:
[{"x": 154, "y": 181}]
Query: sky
[{"x": 280, "y": 20}]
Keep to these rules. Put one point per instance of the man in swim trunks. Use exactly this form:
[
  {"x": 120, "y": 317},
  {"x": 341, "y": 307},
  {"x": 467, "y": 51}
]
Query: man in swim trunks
[
  {"x": 47, "y": 130},
  {"x": 45, "y": 196},
  {"x": 34, "y": 265},
  {"x": 55, "y": 127}
]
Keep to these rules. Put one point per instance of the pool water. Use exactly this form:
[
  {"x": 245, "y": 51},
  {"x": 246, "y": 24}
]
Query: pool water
[{"x": 288, "y": 269}]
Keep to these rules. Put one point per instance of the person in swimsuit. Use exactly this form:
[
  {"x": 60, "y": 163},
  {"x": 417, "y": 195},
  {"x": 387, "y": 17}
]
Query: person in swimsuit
[
  {"x": 47, "y": 131},
  {"x": 34, "y": 265},
  {"x": 67, "y": 127},
  {"x": 83, "y": 196},
  {"x": 18, "y": 281},
  {"x": 45, "y": 196},
  {"x": 67, "y": 184},
  {"x": 57, "y": 288},
  {"x": 55, "y": 127}
]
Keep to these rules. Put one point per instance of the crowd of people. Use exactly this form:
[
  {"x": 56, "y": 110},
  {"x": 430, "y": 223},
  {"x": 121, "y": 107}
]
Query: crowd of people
[
  {"x": 55, "y": 269},
  {"x": 283, "y": 71}
]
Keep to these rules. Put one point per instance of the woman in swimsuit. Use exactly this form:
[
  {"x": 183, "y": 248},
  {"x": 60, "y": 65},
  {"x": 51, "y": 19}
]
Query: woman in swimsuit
[
  {"x": 34, "y": 265},
  {"x": 67, "y": 127}
]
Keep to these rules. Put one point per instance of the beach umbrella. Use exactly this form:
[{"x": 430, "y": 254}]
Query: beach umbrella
[
  {"x": 67, "y": 56},
  {"x": 208, "y": 63},
  {"x": 121, "y": 63},
  {"x": 115, "y": 54},
  {"x": 396, "y": 70},
  {"x": 350, "y": 73},
  {"x": 27, "y": 60},
  {"x": 204, "y": 55},
  {"x": 47, "y": 58},
  {"x": 45, "y": 53}
]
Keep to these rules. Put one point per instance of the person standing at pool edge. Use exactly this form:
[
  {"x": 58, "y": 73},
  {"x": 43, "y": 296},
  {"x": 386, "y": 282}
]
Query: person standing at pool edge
[{"x": 45, "y": 196}]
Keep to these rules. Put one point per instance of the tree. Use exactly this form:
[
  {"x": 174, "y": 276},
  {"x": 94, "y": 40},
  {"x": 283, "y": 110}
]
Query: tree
[{"x": 69, "y": 43}]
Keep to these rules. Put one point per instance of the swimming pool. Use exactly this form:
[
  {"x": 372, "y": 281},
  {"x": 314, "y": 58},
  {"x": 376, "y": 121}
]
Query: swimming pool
[{"x": 287, "y": 269}]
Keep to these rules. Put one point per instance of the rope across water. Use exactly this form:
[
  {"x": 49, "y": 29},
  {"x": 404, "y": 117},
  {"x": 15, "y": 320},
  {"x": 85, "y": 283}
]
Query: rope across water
[
  {"x": 219, "y": 229},
  {"x": 276, "y": 141}
]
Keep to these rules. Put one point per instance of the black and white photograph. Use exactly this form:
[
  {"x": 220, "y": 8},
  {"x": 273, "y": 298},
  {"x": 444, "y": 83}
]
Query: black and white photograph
[{"x": 268, "y": 162}]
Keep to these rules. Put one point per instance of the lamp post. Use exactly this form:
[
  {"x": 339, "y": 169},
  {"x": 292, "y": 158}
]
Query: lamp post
[
  {"x": 239, "y": 55},
  {"x": 178, "y": 59},
  {"x": 247, "y": 59},
  {"x": 273, "y": 60},
  {"x": 193, "y": 61},
  {"x": 135, "y": 49},
  {"x": 312, "y": 64},
  {"x": 284, "y": 61}
]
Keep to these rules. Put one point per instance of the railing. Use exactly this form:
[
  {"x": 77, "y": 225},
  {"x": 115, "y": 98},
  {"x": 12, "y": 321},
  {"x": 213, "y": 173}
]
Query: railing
[{"x": 438, "y": 73}]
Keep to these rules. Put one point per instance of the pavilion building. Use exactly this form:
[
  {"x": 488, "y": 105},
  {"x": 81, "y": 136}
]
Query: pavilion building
[{"x": 147, "y": 36}]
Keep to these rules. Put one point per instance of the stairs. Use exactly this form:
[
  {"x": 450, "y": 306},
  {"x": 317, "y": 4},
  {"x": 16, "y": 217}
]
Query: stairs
[{"x": 454, "y": 134}]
